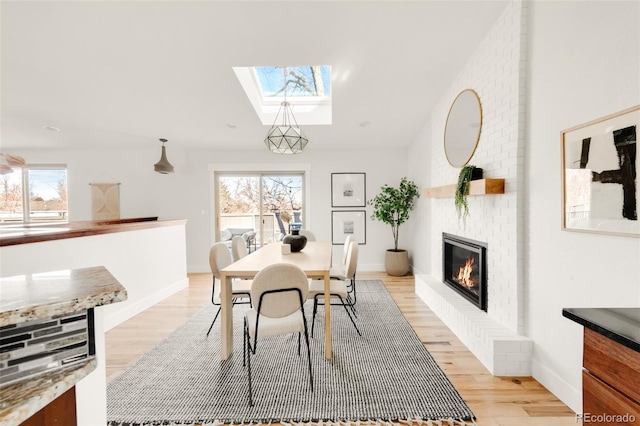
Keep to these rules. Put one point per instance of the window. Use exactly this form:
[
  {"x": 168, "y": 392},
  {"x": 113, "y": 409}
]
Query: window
[
  {"x": 34, "y": 194},
  {"x": 264, "y": 203}
]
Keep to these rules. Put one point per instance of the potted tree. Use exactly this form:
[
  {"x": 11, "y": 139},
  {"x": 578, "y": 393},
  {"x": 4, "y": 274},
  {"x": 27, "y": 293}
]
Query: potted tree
[{"x": 392, "y": 206}]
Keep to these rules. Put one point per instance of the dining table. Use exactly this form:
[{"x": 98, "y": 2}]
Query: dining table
[{"x": 314, "y": 259}]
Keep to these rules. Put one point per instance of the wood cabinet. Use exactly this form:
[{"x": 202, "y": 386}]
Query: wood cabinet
[
  {"x": 60, "y": 411},
  {"x": 611, "y": 365},
  {"x": 610, "y": 382}
]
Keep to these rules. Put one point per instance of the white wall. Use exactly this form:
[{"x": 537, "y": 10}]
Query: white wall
[
  {"x": 186, "y": 193},
  {"x": 496, "y": 72},
  {"x": 579, "y": 61},
  {"x": 380, "y": 166},
  {"x": 583, "y": 64},
  {"x": 149, "y": 263}
]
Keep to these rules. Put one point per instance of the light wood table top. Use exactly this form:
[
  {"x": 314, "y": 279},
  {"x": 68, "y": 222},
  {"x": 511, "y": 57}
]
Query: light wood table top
[{"x": 314, "y": 260}]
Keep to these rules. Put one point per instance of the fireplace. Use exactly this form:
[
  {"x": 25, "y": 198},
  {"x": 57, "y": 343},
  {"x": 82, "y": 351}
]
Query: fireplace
[{"x": 464, "y": 268}]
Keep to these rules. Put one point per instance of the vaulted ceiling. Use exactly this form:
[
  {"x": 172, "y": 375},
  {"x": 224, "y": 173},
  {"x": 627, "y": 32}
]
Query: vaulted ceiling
[{"x": 123, "y": 74}]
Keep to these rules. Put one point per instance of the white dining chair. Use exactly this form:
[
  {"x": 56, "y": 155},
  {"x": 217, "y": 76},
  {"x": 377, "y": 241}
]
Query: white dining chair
[
  {"x": 220, "y": 258},
  {"x": 238, "y": 248},
  {"x": 279, "y": 292},
  {"x": 339, "y": 272},
  {"x": 338, "y": 288},
  {"x": 307, "y": 233}
]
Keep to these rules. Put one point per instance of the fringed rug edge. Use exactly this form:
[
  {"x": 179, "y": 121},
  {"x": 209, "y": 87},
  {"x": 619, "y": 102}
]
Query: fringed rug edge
[{"x": 415, "y": 421}]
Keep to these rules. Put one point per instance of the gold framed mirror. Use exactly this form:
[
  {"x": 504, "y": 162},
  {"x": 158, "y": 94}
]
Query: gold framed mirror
[{"x": 462, "y": 129}]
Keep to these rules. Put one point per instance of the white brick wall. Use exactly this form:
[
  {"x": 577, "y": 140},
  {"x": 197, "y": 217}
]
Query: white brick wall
[
  {"x": 496, "y": 71},
  {"x": 502, "y": 351}
]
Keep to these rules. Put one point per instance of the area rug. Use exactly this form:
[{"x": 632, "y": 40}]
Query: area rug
[{"x": 385, "y": 375}]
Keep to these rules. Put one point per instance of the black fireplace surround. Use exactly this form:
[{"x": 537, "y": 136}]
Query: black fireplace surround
[{"x": 464, "y": 268}]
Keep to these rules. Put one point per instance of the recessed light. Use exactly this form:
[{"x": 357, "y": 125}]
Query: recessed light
[
  {"x": 365, "y": 124},
  {"x": 232, "y": 125},
  {"x": 51, "y": 128}
]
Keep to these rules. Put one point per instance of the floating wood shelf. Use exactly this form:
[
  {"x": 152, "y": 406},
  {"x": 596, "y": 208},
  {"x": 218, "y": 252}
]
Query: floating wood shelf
[{"x": 476, "y": 187}]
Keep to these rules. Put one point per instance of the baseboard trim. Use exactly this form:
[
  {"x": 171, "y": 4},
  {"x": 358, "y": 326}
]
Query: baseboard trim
[
  {"x": 122, "y": 315},
  {"x": 566, "y": 393}
]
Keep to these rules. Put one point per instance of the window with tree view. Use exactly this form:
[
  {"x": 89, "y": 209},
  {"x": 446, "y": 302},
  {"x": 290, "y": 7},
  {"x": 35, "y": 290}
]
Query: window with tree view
[
  {"x": 268, "y": 204},
  {"x": 34, "y": 194},
  {"x": 303, "y": 81}
]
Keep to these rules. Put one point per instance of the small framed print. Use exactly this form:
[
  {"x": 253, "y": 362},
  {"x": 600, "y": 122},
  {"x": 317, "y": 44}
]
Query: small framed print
[
  {"x": 599, "y": 185},
  {"x": 348, "y": 190},
  {"x": 348, "y": 222}
]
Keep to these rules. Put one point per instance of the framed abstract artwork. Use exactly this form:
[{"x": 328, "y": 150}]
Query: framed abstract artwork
[
  {"x": 599, "y": 175},
  {"x": 348, "y": 190},
  {"x": 348, "y": 222}
]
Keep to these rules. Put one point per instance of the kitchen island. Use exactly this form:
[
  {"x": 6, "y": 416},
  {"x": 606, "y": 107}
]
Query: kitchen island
[
  {"x": 147, "y": 256},
  {"x": 48, "y": 334}
]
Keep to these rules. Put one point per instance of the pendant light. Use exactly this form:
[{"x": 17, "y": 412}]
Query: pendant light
[
  {"x": 163, "y": 166},
  {"x": 286, "y": 138}
]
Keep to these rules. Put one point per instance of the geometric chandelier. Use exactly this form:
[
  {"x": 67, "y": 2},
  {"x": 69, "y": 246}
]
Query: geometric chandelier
[{"x": 286, "y": 138}]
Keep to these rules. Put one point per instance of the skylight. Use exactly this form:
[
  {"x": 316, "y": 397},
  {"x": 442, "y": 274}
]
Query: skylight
[
  {"x": 308, "y": 89},
  {"x": 303, "y": 82}
]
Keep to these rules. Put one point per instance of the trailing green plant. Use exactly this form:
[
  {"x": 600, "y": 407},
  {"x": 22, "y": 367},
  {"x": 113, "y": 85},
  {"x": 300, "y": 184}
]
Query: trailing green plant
[
  {"x": 392, "y": 205},
  {"x": 462, "y": 190}
]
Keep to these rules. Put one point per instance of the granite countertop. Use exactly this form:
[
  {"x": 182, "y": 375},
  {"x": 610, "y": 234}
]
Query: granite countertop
[
  {"x": 621, "y": 325},
  {"x": 44, "y": 295},
  {"x": 21, "y": 400}
]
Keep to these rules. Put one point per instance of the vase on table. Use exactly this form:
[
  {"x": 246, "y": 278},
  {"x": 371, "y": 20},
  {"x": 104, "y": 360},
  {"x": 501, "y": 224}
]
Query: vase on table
[{"x": 296, "y": 240}]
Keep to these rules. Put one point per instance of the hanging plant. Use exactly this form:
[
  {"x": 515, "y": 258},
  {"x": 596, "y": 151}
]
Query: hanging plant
[{"x": 462, "y": 190}]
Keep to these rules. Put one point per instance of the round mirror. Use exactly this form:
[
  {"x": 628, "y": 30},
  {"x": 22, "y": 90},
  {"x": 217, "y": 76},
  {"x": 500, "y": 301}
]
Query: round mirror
[{"x": 462, "y": 131}]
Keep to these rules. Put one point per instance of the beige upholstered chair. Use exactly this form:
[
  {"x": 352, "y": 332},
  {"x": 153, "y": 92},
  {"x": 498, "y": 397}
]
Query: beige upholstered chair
[
  {"x": 278, "y": 293},
  {"x": 339, "y": 288},
  {"x": 220, "y": 258},
  {"x": 310, "y": 235},
  {"x": 238, "y": 248},
  {"x": 339, "y": 272}
]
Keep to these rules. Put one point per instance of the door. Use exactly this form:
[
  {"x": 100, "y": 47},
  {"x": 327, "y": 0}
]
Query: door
[{"x": 269, "y": 204}]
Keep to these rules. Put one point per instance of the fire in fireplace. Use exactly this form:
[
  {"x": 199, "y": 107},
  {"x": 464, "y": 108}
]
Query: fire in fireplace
[{"x": 464, "y": 268}]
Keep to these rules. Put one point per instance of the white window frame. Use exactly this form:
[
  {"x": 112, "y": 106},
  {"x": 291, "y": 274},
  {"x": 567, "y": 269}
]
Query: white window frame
[{"x": 26, "y": 205}]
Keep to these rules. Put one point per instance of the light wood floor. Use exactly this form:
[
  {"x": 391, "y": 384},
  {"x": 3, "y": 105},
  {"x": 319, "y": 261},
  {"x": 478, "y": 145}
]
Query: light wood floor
[{"x": 496, "y": 401}]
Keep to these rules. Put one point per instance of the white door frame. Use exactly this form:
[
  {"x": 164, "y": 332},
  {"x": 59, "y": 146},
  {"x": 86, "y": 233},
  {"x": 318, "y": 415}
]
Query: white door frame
[{"x": 304, "y": 168}]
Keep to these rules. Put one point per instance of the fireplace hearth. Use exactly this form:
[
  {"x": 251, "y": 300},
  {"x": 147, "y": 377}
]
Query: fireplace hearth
[{"x": 464, "y": 268}]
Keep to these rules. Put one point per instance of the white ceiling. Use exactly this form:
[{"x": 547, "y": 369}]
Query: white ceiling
[{"x": 123, "y": 74}]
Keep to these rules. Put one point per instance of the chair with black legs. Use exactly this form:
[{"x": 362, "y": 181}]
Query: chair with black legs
[
  {"x": 220, "y": 258},
  {"x": 338, "y": 288},
  {"x": 278, "y": 293}
]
